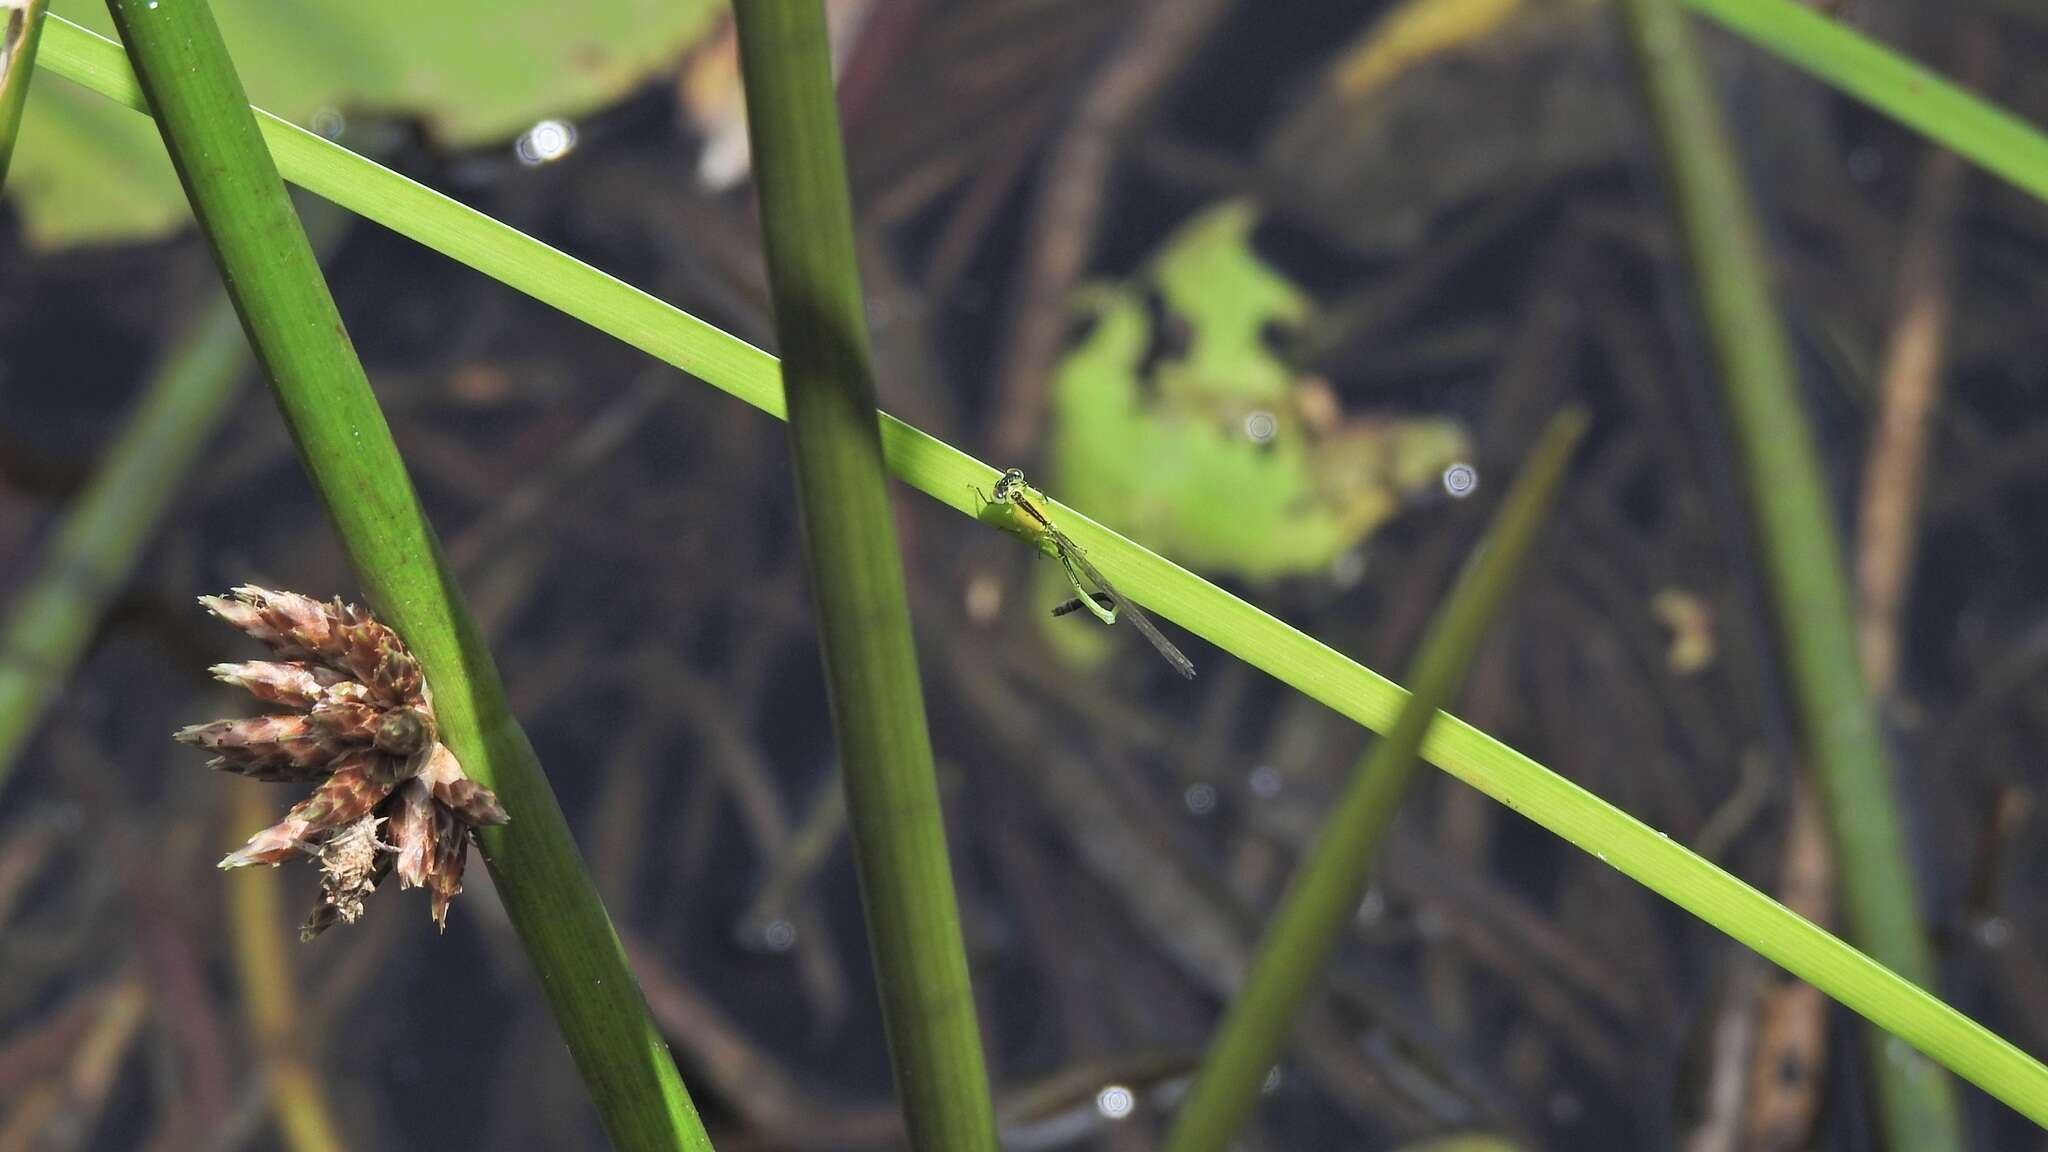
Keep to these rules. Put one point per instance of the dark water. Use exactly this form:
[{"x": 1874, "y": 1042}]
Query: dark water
[{"x": 647, "y": 602}]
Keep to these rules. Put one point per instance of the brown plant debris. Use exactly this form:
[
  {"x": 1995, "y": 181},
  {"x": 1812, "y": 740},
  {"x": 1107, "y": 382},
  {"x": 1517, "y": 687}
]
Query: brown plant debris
[{"x": 389, "y": 795}]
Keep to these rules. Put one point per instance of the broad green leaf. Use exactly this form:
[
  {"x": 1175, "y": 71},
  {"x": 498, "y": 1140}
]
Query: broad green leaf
[
  {"x": 1200, "y": 439},
  {"x": 471, "y": 72}
]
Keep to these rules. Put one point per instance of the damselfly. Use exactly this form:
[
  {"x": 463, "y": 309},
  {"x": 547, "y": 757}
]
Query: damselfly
[{"x": 1020, "y": 504}]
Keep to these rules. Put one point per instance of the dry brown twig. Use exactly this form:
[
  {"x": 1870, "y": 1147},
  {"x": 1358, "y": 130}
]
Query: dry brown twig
[{"x": 1888, "y": 521}]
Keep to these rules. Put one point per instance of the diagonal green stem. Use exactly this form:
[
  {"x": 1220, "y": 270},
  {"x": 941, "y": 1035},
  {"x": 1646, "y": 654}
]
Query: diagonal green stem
[
  {"x": 95, "y": 547},
  {"x": 1795, "y": 516},
  {"x": 1918, "y": 97},
  {"x": 291, "y": 322},
  {"x": 1324, "y": 894},
  {"x": 892, "y": 796},
  {"x": 951, "y": 477},
  {"x": 97, "y": 543}
]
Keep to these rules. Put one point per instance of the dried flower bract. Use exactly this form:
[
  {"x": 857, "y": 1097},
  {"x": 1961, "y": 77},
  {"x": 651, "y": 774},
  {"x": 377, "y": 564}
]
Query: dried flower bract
[{"x": 389, "y": 797}]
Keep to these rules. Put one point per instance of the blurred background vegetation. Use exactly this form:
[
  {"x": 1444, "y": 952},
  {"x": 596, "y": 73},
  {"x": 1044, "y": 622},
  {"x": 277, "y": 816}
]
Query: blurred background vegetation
[{"x": 1240, "y": 280}]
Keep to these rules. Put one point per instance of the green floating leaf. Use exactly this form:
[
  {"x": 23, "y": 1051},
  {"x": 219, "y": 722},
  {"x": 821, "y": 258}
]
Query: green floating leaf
[
  {"x": 471, "y": 71},
  {"x": 1200, "y": 439}
]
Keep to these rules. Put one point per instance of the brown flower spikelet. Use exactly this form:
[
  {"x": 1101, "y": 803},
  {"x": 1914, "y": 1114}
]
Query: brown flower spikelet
[
  {"x": 390, "y": 796},
  {"x": 412, "y": 832},
  {"x": 268, "y": 747},
  {"x": 352, "y": 863},
  {"x": 291, "y": 683},
  {"x": 345, "y": 721},
  {"x": 444, "y": 870}
]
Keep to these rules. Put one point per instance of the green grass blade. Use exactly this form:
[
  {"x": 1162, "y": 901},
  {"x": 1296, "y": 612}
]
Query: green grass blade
[
  {"x": 1323, "y": 897},
  {"x": 297, "y": 335},
  {"x": 21, "y": 28},
  {"x": 892, "y": 795},
  {"x": 1917, "y": 97},
  {"x": 1795, "y": 517},
  {"x": 950, "y": 476}
]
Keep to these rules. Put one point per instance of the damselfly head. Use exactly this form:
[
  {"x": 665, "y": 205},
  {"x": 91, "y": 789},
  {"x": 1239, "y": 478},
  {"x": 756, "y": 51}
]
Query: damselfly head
[{"x": 1010, "y": 486}]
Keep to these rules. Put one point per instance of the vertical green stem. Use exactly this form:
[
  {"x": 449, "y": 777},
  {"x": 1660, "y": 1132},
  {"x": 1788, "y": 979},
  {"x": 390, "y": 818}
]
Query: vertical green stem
[
  {"x": 857, "y": 579},
  {"x": 1808, "y": 580},
  {"x": 1326, "y": 889},
  {"x": 346, "y": 447},
  {"x": 21, "y": 26}
]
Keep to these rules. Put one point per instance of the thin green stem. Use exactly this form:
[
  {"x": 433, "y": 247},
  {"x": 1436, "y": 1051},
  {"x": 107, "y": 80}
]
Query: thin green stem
[
  {"x": 892, "y": 795},
  {"x": 346, "y": 447},
  {"x": 1795, "y": 516},
  {"x": 1325, "y": 891},
  {"x": 21, "y": 28},
  {"x": 1918, "y": 97},
  {"x": 1242, "y": 629}
]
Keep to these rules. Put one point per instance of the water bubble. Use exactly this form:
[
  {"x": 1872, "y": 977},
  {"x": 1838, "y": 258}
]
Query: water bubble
[
  {"x": 1265, "y": 781},
  {"x": 545, "y": 142},
  {"x": 1200, "y": 799},
  {"x": 327, "y": 123},
  {"x": 779, "y": 935},
  {"x": 1461, "y": 480},
  {"x": 1260, "y": 426},
  {"x": 1994, "y": 932},
  {"x": 1115, "y": 1102},
  {"x": 1272, "y": 1080},
  {"x": 1372, "y": 908}
]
